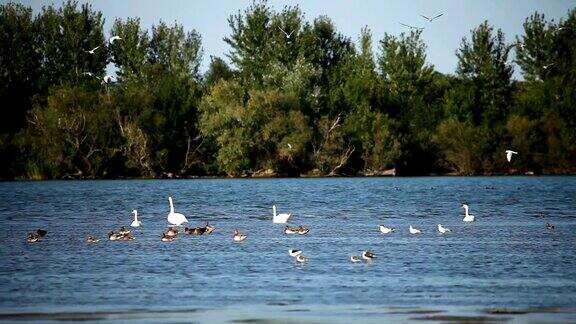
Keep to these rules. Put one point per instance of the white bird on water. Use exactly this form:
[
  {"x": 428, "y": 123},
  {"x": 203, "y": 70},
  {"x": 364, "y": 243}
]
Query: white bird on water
[
  {"x": 509, "y": 154},
  {"x": 443, "y": 229},
  {"x": 414, "y": 230},
  {"x": 355, "y": 259},
  {"x": 467, "y": 217},
  {"x": 136, "y": 222},
  {"x": 279, "y": 218},
  {"x": 386, "y": 230},
  {"x": 175, "y": 218},
  {"x": 294, "y": 253},
  {"x": 113, "y": 38}
]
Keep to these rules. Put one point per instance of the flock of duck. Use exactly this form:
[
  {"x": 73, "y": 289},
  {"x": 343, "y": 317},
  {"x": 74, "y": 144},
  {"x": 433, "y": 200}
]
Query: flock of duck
[{"x": 177, "y": 219}]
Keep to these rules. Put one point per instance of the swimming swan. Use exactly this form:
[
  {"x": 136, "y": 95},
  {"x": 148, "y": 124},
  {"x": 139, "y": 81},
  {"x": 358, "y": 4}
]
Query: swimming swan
[
  {"x": 279, "y": 218},
  {"x": 175, "y": 218},
  {"x": 467, "y": 217},
  {"x": 136, "y": 222}
]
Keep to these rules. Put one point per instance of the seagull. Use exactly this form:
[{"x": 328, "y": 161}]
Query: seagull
[
  {"x": 509, "y": 154},
  {"x": 294, "y": 253},
  {"x": 414, "y": 230},
  {"x": 467, "y": 217},
  {"x": 368, "y": 255},
  {"x": 412, "y": 27},
  {"x": 443, "y": 229},
  {"x": 355, "y": 259},
  {"x": 430, "y": 19},
  {"x": 136, "y": 222},
  {"x": 92, "y": 50},
  {"x": 301, "y": 259},
  {"x": 238, "y": 237},
  {"x": 88, "y": 73},
  {"x": 113, "y": 38},
  {"x": 545, "y": 67},
  {"x": 386, "y": 230},
  {"x": 285, "y": 33}
]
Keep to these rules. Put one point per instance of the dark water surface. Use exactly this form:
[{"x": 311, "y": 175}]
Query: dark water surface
[{"x": 507, "y": 258}]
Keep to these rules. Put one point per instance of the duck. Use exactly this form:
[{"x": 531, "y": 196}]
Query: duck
[
  {"x": 41, "y": 232},
  {"x": 414, "y": 230},
  {"x": 91, "y": 239},
  {"x": 386, "y": 230},
  {"x": 301, "y": 259},
  {"x": 355, "y": 259},
  {"x": 189, "y": 231},
  {"x": 549, "y": 226},
  {"x": 289, "y": 230},
  {"x": 209, "y": 228},
  {"x": 113, "y": 236},
  {"x": 171, "y": 232},
  {"x": 237, "y": 236},
  {"x": 135, "y": 222},
  {"x": 443, "y": 229},
  {"x": 126, "y": 237},
  {"x": 123, "y": 231},
  {"x": 32, "y": 237},
  {"x": 368, "y": 255},
  {"x": 303, "y": 230},
  {"x": 467, "y": 217},
  {"x": 166, "y": 238},
  {"x": 279, "y": 218},
  {"x": 294, "y": 253},
  {"x": 173, "y": 217}
]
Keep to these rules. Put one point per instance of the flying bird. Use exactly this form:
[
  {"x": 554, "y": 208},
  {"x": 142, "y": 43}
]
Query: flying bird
[
  {"x": 412, "y": 27},
  {"x": 285, "y": 33},
  {"x": 509, "y": 154},
  {"x": 88, "y": 73},
  {"x": 113, "y": 38},
  {"x": 92, "y": 50},
  {"x": 430, "y": 19},
  {"x": 545, "y": 67}
]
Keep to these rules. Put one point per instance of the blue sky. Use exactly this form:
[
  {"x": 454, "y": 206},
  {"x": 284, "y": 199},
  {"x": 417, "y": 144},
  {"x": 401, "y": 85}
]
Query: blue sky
[{"x": 442, "y": 36}]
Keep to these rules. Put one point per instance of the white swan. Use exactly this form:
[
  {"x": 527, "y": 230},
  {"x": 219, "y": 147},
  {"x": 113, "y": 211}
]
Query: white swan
[
  {"x": 175, "y": 218},
  {"x": 279, "y": 218},
  {"x": 443, "y": 229},
  {"x": 136, "y": 222},
  {"x": 467, "y": 217},
  {"x": 386, "y": 230},
  {"x": 414, "y": 230}
]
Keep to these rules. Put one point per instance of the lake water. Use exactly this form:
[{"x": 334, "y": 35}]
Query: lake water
[{"x": 505, "y": 259}]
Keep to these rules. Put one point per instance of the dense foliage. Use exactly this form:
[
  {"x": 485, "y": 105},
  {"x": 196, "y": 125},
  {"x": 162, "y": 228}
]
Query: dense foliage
[{"x": 298, "y": 97}]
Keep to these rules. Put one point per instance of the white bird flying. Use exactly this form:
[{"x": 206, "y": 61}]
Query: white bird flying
[
  {"x": 175, "y": 218},
  {"x": 430, "y": 19},
  {"x": 279, "y": 218},
  {"x": 136, "y": 222},
  {"x": 443, "y": 229},
  {"x": 113, "y": 38},
  {"x": 509, "y": 154},
  {"x": 467, "y": 217},
  {"x": 285, "y": 33},
  {"x": 88, "y": 73},
  {"x": 412, "y": 27},
  {"x": 92, "y": 50},
  {"x": 414, "y": 230}
]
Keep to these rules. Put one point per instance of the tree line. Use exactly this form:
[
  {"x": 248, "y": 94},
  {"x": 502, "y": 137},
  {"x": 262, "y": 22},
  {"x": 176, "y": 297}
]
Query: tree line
[{"x": 296, "y": 98}]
